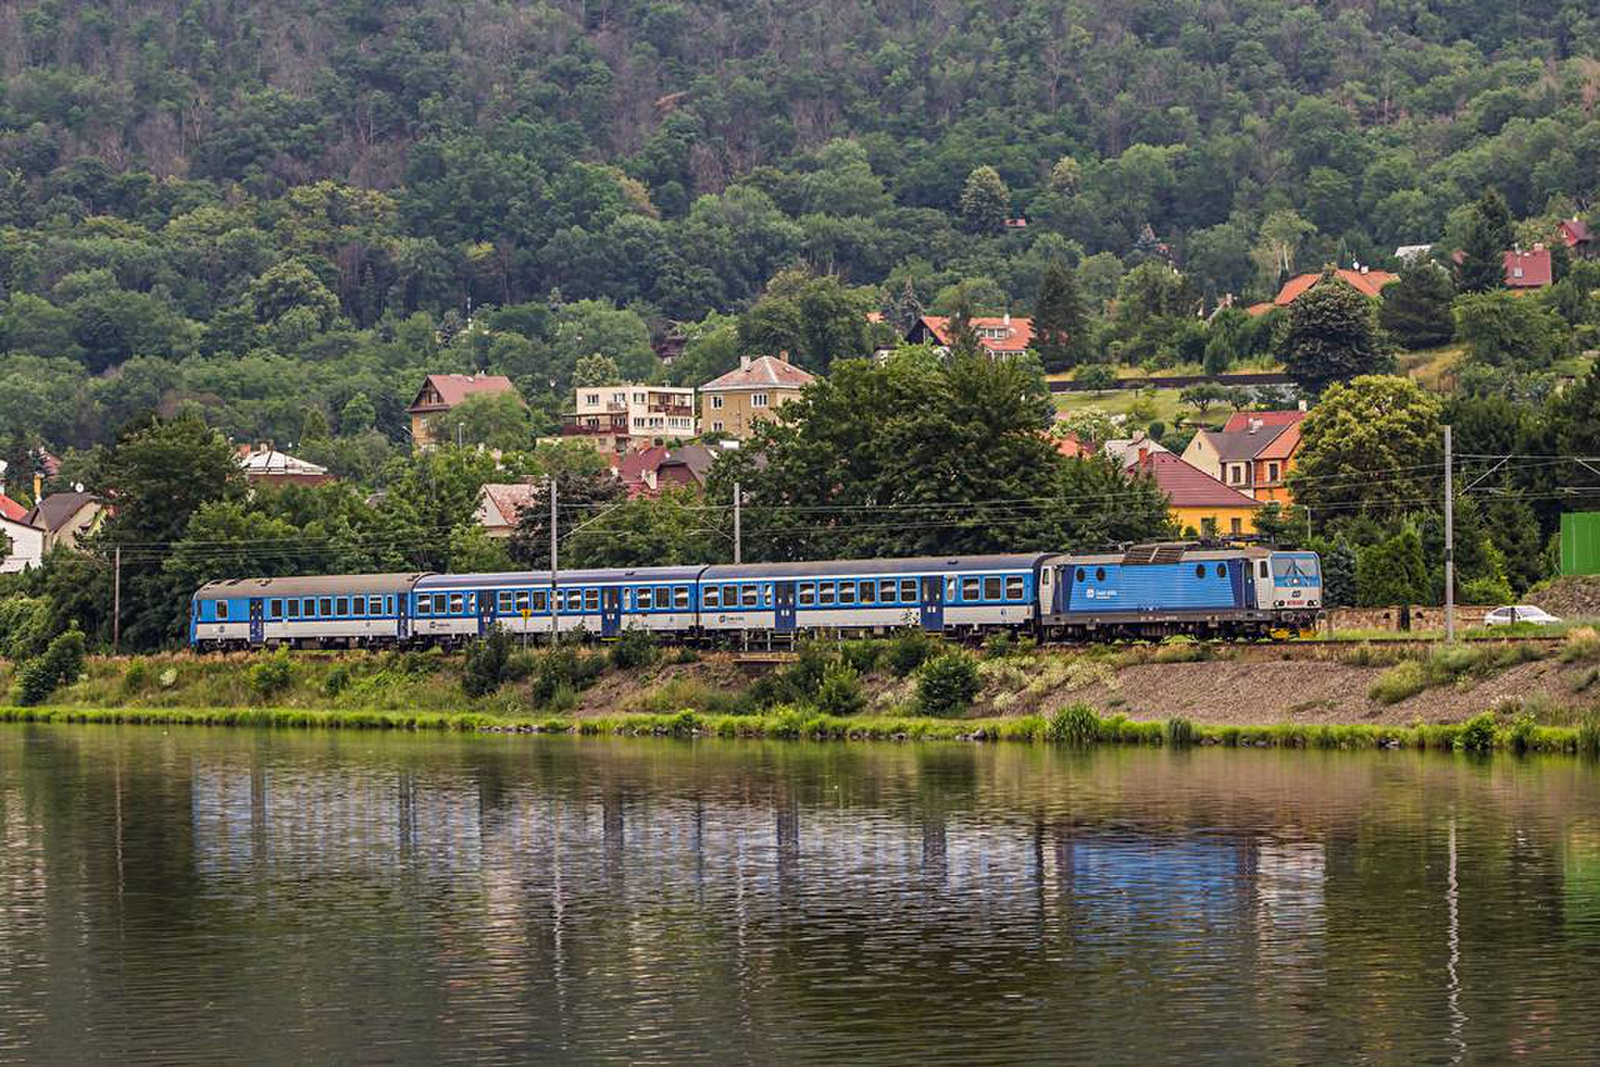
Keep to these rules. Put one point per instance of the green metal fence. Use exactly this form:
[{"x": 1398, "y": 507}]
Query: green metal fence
[{"x": 1580, "y": 542}]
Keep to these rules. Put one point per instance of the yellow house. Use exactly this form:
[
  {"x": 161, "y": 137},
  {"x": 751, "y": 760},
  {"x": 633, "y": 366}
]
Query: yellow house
[
  {"x": 735, "y": 402},
  {"x": 1196, "y": 500}
]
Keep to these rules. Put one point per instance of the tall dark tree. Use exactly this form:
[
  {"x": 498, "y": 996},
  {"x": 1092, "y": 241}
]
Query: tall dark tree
[
  {"x": 1416, "y": 309},
  {"x": 1060, "y": 327},
  {"x": 1333, "y": 336},
  {"x": 582, "y": 496},
  {"x": 1481, "y": 265}
]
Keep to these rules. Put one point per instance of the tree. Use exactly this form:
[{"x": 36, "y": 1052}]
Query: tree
[
  {"x": 1060, "y": 327},
  {"x": 358, "y": 416},
  {"x": 985, "y": 201},
  {"x": 1372, "y": 446},
  {"x": 596, "y": 370},
  {"x": 1416, "y": 309},
  {"x": 1205, "y": 396},
  {"x": 494, "y": 420},
  {"x": 1481, "y": 266},
  {"x": 1392, "y": 572},
  {"x": 581, "y": 496},
  {"x": 1333, "y": 336},
  {"x": 812, "y": 320},
  {"x": 291, "y": 285},
  {"x": 935, "y": 448},
  {"x": 1502, "y": 329}
]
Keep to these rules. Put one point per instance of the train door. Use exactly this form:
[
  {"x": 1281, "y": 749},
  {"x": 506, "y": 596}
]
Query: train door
[
  {"x": 784, "y": 618},
  {"x": 258, "y": 621},
  {"x": 485, "y": 612},
  {"x": 610, "y": 611},
  {"x": 402, "y": 604},
  {"x": 932, "y": 602}
]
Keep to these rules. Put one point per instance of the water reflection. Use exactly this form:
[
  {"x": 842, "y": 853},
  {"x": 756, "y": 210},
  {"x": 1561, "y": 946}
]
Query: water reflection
[{"x": 187, "y": 895}]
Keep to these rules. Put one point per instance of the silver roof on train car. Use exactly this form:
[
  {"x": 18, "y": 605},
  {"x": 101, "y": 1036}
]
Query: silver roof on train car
[
  {"x": 910, "y": 565},
  {"x": 309, "y": 585},
  {"x": 538, "y": 579}
]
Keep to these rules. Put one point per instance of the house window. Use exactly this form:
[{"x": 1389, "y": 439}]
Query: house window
[
  {"x": 222, "y": 610},
  {"x": 638, "y": 398},
  {"x": 717, "y": 425},
  {"x": 592, "y": 398},
  {"x": 758, "y": 400},
  {"x": 1272, "y": 472},
  {"x": 1236, "y": 525},
  {"x": 716, "y": 403}
]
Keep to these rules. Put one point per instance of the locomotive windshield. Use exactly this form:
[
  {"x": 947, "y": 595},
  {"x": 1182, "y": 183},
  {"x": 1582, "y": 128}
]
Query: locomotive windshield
[{"x": 1294, "y": 567}]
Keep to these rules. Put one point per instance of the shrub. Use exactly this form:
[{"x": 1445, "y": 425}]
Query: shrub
[
  {"x": 272, "y": 675},
  {"x": 908, "y": 650},
  {"x": 564, "y": 667},
  {"x": 485, "y": 665},
  {"x": 60, "y": 664},
  {"x": 1589, "y": 737},
  {"x": 1582, "y": 645},
  {"x": 999, "y": 645},
  {"x": 1405, "y": 679},
  {"x": 862, "y": 656},
  {"x": 947, "y": 684},
  {"x": 337, "y": 681},
  {"x": 1477, "y": 733},
  {"x": 24, "y": 627},
  {"x": 840, "y": 691},
  {"x": 1179, "y": 732},
  {"x": 635, "y": 649},
  {"x": 1075, "y": 724},
  {"x": 1521, "y": 735},
  {"x": 136, "y": 678}
]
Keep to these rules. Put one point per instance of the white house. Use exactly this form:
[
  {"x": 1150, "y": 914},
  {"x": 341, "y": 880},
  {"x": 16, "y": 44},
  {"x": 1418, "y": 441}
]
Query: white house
[{"x": 27, "y": 545}]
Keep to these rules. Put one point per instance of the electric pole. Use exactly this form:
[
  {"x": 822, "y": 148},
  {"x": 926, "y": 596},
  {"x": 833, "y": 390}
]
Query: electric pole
[
  {"x": 738, "y": 546},
  {"x": 555, "y": 591},
  {"x": 1449, "y": 544},
  {"x": 116, "y": 600}
]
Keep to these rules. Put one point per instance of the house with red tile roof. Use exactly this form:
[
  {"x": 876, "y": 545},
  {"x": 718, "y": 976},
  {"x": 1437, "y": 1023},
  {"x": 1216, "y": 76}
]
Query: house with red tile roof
[
  {"x": 500, "y": 506},
  {"x": 1369, "y": 283},
  {"x": 1529, "y": 270},
  {"x": 1002, "y": 336},
  {"x": 27, "y": 540},
  {"x": 734, "y": 403},
  {"x": 1575, "y": 233},
  {"x": 441, "y": 393},
  {"x": 1195, "y": 500},
  {"x": 1252, "y": 453},
  {"x": 10, "y": 509}
]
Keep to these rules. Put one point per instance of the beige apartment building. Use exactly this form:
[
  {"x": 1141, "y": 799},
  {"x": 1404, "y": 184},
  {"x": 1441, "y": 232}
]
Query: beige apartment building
[
  {"x": 735, "y": 402},
  {"x": 615, "y": 418}
]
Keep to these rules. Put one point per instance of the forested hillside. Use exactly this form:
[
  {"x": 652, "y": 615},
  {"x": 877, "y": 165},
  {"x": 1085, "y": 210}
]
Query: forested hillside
[{"x": 274, "y": 207}]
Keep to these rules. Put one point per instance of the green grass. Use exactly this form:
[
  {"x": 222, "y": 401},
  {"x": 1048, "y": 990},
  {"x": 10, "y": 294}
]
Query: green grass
[
  {"x": 1168, "y": 408},
  {"x": 1075, "y": 726},
  {"x": 1451, "y": 665}
]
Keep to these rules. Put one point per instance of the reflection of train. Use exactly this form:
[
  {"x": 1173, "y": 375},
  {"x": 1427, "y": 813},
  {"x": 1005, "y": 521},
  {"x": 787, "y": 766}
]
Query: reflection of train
[{"x": 1145, "y": 591}]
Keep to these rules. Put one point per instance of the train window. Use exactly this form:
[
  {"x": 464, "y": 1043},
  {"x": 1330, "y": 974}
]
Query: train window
[
  {"x": 574, "y": 600},
  {"x": 969, "y": 589},
  {"x": 1099, "y": 574},
  {"x": 1080, "y": 574},
  {"x": 950, "y": 589},
  {"x": 766, "y": 594},
  {"x": 222, "y": 610},
  {"x": 991, "y": 588},
  {"x": 519, "y": 600},
  {"x": 847, "y": 592},
  {"x": 310, "y": 608},
  {"x": 375, "y": 606},
  {"x": 908, "y": 590},
  {"x": 1014, "y": 588},
  {"x": 807, "y": 594},
  {"x": 869, "y": 592},
  {"x": 713, "y": 596},
  {"x": 824, "y": 592},
  {"x": 471, "y": 604},
  {"x": 1263, "y": 570},
  {"x": 1222, "y": 570},
  {"x": 751, "y": 596},
  {"x": 458, "y": 603},
  {"x": 730, "y": 596},
  {"x": 1199, "y": 570},
  {"x": 294, "y": 609},
  {"x": 388, "y": 605},
  {"x": 342, "y": 606},
  {"x": 439, "y": 602},
  {"x": 643, "y": 599},
  {"x": 325, "y": 607},
  {"x": 680, "y": 597},
  {"x": 358, "y": 605},
  {"x": 503, "y": 601},
  {"x": 540, "y": 601},
  {"x": 274, "y": 609},
  {"x": 886, "y": 591}
]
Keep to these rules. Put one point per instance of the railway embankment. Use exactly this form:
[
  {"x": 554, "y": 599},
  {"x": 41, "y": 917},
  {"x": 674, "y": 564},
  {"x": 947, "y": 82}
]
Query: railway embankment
[{"x": 928, "y": 688}]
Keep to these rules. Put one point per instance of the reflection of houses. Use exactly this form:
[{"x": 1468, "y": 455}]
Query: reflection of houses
[
  {"x": 614, "y": 418},
  {"x": 442, "y": 393}
]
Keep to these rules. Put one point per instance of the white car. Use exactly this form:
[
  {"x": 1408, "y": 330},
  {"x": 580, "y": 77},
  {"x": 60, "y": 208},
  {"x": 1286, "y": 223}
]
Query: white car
[{"x": 1525, "y": 614}]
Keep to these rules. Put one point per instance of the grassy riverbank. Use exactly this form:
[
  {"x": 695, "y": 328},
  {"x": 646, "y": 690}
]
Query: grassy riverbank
[{"x": 1077, "y": 725}]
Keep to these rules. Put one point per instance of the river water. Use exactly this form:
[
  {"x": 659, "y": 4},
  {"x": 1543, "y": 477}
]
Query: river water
[{"x": 207, "y": 895}]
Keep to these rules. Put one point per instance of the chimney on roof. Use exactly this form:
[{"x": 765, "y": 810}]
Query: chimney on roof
[
  {"x": 744, "y": 362},
  {"x": 1007, "y": 320},
  {"x": 1144, "y": 456},
  {"x": 1255, "y": 424},
  {"x": 38, "y": 487},
  {"x": 1538, "y": 246},
  {"x": 1302, "y": 405}
]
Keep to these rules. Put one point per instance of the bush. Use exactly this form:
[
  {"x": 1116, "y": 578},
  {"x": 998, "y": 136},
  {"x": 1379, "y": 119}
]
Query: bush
[
  {"x": 1486, "y": 590},
  {"x": 485, "y": 666},
  {"x": 1589, "y": 737},
  {"x": 999, "y": 645},
  {"x": 1179, "y": 732},
  {"x": 908, "y": 650},
  {"x": 272, "y": 675},
  {"x": 1075, "y": 724},
  {"x": 24, "y": 627},
  {"x": 61, "y": 664},
  {"x": 564, "y": 668},
  {"x": 337, "y": 681},
  {"x": 136, "y": 678},
  {"x": 635, "y": 649},
  {"x": 947, "y": 684},
  {"x": 1477, "y": 733},
  {"x": 840, "y": 691},
  {"x": 1405, "y": 679},
  {"x": 862, "y": 656}
]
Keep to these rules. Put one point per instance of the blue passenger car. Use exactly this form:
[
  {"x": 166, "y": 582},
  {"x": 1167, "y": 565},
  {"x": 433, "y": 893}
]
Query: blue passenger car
[
  {"x": 451, "y": 608},
  {"x": 335, "y": 611}
]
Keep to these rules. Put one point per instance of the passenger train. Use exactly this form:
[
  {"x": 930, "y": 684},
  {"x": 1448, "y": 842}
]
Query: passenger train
[{"x": 1146, "y": 591}]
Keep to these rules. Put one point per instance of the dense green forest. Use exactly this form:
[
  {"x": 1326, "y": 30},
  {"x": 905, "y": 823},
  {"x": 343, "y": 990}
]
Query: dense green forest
[{"x": 267, "y": 209}]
